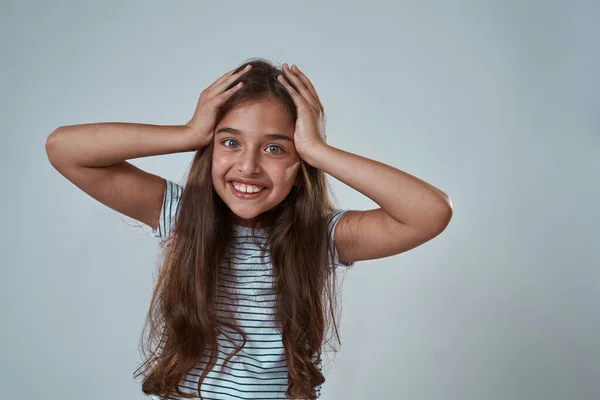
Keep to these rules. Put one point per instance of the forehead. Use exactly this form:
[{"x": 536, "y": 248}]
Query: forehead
[{"x": 258, "y": 118}]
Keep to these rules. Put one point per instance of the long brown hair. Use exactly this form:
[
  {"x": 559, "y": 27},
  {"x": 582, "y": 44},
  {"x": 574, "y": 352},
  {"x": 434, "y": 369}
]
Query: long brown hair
[{"x": 182, "y": 324}]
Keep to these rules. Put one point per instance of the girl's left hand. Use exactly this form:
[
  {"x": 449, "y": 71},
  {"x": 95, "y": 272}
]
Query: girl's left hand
[{"x": 310, "y": 124}]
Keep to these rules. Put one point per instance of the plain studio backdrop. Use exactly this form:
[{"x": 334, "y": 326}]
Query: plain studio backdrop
[{"x": 496, "y": 103}]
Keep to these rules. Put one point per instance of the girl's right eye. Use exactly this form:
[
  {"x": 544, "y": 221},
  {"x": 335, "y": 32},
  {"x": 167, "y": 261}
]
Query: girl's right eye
[{"x": 228, "y": 140}]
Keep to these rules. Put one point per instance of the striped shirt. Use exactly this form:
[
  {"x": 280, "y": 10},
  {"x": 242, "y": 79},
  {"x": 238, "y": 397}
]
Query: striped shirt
[{"x": 259, "y": 370}]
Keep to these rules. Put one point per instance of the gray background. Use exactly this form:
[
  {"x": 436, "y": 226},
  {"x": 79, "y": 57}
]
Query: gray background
[{"x": 495, "y": 103}]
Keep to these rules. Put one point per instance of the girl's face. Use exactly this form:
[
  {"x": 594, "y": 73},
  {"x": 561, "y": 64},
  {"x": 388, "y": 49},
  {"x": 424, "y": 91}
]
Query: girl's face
[{"x": 254, "y": 144}]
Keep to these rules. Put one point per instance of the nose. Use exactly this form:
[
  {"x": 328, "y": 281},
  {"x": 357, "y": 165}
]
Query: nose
[{"x": 249, "y": 162}]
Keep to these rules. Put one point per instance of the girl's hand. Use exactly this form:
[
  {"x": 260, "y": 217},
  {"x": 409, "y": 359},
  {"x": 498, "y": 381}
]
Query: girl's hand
[
  {"x": 310, "y": 124},
  {"x": 202, "y": 124}
]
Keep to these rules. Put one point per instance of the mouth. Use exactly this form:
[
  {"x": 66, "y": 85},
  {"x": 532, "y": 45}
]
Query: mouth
[{"x": 250, "y": 194}]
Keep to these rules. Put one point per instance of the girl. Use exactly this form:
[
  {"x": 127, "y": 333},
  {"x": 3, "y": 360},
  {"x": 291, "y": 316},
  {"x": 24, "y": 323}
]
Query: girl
[{"x": 251, "y": 242}]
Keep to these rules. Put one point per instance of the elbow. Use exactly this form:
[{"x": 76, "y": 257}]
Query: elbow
[
  {"x": 441, "y": 218},
  {"x": 444, "y": 217},
  {"x": 51, "y": 138},
  {"x": 52, "y": 143}
]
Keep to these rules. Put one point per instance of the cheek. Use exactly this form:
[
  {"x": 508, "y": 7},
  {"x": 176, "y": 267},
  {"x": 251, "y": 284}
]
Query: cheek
[
  {"x": 288, "y": 174},
  {"x": 219, "y": 165}
]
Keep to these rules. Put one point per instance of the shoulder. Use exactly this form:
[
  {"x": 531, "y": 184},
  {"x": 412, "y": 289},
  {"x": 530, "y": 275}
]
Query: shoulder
[{"x": 170, "y": 207}]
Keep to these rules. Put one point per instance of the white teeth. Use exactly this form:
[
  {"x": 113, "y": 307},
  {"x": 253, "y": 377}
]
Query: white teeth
[{"x": 246, "y": 188}]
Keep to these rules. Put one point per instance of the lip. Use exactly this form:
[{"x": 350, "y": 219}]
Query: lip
[{"x": 242, "y": 195}]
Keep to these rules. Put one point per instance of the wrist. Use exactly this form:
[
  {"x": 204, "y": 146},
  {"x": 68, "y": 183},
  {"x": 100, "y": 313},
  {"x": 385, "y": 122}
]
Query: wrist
[
  {"x": 189, "y": 141},
  {"x": 314, "y": 152}
]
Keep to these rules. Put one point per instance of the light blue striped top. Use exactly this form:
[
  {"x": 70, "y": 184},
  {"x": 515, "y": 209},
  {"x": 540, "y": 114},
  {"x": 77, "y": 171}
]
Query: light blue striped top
[{"x": 259, "y": 370}]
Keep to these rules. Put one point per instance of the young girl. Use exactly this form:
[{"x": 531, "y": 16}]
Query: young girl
[{"x": 251, "y": 242}]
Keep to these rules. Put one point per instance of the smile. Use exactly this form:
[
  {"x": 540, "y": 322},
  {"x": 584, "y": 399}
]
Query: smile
[{"x": 245, "y": 191}]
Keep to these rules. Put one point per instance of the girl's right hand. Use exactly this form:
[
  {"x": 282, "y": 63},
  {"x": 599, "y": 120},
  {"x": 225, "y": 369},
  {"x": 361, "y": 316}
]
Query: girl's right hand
[{"x": 202, "y": 124}]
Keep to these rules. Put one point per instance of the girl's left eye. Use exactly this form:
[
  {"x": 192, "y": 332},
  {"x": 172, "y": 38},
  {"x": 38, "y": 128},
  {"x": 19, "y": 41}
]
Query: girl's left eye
[{"x": 280, "y": 150}]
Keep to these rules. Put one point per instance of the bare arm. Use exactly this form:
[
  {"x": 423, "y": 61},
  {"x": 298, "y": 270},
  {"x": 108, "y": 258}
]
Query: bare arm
[
  {"x": 107, "y": 143},
  {"x": 92, "y": 157}
]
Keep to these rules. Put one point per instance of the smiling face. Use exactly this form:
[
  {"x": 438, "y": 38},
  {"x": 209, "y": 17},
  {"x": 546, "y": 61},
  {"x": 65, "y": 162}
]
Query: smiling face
[{"x": 254, "y": 144}]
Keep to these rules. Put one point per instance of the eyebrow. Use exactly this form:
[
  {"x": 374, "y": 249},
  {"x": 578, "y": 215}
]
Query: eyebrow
[{"x": 270, "y": 136}]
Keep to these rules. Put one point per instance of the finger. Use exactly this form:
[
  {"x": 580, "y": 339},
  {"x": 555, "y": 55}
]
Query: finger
[
  {"x": 232, "y": 77},
  {"x": 298, "y": 99},
  {"x": 308, "y": 84},
  {"x": 301, "y": 87},
  {"x": 235, "y": 73},
  {"x": 221, "y": 98},
  {"x": 227, "y": 79}
]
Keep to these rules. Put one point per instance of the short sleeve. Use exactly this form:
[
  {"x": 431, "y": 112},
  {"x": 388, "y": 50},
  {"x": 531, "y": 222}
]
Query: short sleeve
[
  {"x": 168, "y": 212},
  {"x": 333, "y": 219}
]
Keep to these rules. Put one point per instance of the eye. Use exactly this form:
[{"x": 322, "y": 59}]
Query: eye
[
  {"x": 228, "y": 140},
  {"x": 280, "y": 150}
]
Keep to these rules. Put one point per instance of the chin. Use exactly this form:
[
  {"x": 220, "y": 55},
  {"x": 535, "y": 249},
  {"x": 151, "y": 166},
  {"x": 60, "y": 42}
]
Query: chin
[
  {"x": 253, "y": 213},
  {"x": 249, "y": 214},
  {"x": 245, "y": 215}
]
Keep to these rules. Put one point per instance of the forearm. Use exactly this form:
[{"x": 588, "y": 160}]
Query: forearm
[
  {"x": 404, "y": 197},
  {"x": 107, "y": 143}
]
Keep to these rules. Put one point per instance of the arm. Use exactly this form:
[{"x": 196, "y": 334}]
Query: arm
[
  {"x": 404, "y": 197},
  {"x": 412, "y": 211},
  {"x": 107, "y": 143},
  {"x": 92, "y": 157}
]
